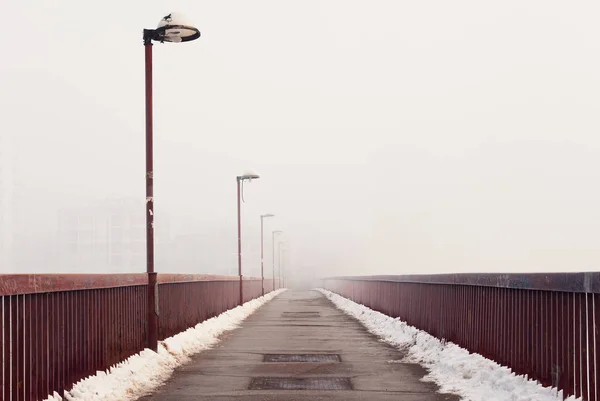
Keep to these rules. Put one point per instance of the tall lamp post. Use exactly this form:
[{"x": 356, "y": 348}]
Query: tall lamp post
[
  {"x": 273, "y": 245},
  {"x": 240, "y": 179},
  {"x": 262, "y": 265},
  {"x": 170, "y": 29}
]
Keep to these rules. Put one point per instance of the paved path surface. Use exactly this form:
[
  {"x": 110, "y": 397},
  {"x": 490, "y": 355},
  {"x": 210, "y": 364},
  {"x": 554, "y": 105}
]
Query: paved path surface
[{"x": 296, "y": 323}]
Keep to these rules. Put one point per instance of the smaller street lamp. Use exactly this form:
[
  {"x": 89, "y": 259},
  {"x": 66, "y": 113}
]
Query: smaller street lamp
[
  {"x": 240, "y": 179},
  {"x": 262, "y": 270}
]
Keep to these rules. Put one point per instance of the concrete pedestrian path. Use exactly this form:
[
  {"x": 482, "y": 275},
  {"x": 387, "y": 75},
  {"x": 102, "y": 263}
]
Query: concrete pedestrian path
[{"x": 299, "y": 347}]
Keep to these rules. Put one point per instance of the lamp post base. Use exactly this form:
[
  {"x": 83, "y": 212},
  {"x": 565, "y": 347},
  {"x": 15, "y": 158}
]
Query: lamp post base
[{"x": 152, "y": 322}]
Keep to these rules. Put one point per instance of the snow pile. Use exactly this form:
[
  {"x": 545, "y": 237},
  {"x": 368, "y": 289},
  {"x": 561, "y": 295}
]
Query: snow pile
[
  {"x": 142, "y": 373},
  {"x": 453, "y": 368}
]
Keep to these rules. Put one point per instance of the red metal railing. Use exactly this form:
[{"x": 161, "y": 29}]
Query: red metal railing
[
  {"x": 183, "y": 304},
  {"x": 541, "y": 325},
  {"x": 58, "y": 329}
]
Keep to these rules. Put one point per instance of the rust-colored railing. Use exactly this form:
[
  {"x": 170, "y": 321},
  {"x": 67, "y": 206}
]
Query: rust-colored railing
[
  {"x": 58, "y": 329},
  {"x": 541, "y": 325}
]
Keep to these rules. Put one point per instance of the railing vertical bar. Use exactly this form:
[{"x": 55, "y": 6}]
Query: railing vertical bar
[
  {"x": 591, "y": 347},
  {"x": 562, "y": 341},
  {"x": 524, "y": 331},
  {"x": 519, "y": 332},
  {"x": 516, "y": 327},
  {"x": 110, "y": 327},
  {"x": 134, "y": 332},
  {"x": 73, "y": 328},
  {"x": 119, "y": 313},
  {"x": 570, "y": 307},
  {"x": 559, "y": 340},
  {"x": 102, "y": 323},
  {"x": 465, "y": 310},
  {"x": 35, "y": 346},
  {"x": 2, "y": 342},
  {"x": 478, "y": 317},
  {"x": 513, "y": 330},
  {"x": 7, "y": 349},
  {"x": 584, "y": 348},
  {"x": 533, "y": 313},
  {"x": 96, "y": 309},
  {"x": 5, "y": 359},
  {"x": 27, "y": 365},
  {"x": 577, "y": 350},
  {"x": 127, "y": 326},
  {"x": 554, "y": 349},
  {"x": 95, "y": 328},
  {"x": 14, "y": 352},
  {"x": 497, "y": 324},
  {"x": 138, "y": 319},
  {"x": 549, "y": 339},
  {"x": 564, "y": 346},
  {"x": 523, "y": 323},
  {"x": 45, "y": 334},
  {"x": 63, "y": 343},
  {"x": 132, "y": 327},
  {"x": 542, "y": 339},
  {"x": 71, "y": 301},
  {"x": 490, "y": 312},
  {"x": 505, "y": 326},
  {"x": 49, "y": 298},
  {"x": 506, "y": 332},
  {"x": 87, "y": 330},
  {"x": 18, "y": 348},
  {"x": 543, "y": 355},
  {"x": 596, "y": 299},
  {"x": 115, "y": 325},
  {"x": 53, "y": 343},
  {"x": 82, "y": 337},
  {"x": 126, "y": 323},
  {"x": 77, "y": 368}
]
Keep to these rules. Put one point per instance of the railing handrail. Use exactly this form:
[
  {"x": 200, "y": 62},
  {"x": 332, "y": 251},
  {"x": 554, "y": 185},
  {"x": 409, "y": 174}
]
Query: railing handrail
[
  {"x": 580, "y": 282},
  {"x": 170, "y": 278},
  {"x": 20, "y": 284}
]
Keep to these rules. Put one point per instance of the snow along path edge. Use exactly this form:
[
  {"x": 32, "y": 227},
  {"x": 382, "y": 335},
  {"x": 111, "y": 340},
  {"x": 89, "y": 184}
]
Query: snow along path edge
[
  {"x": 142, "y": 373},
  {"x": 451, "y": 367}
]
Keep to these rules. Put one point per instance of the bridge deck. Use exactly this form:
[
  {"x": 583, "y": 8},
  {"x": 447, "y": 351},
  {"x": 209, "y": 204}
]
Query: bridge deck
[{"x": 299, "y": 326}]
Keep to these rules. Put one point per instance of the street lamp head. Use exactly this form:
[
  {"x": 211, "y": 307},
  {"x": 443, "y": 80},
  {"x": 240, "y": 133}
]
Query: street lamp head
[
  {"x": 267, "y": 215},
  {"x": 172, "y": 28},
  {"x": 249, "y": 175}
]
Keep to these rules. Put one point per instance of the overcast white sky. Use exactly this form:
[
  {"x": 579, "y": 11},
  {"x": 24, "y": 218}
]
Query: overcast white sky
[{"x": 391, "y": 136}]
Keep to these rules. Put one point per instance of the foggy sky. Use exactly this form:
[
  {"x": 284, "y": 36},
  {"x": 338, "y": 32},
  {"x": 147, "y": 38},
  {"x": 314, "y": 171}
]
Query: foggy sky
[{"x": 391, "y": 136}]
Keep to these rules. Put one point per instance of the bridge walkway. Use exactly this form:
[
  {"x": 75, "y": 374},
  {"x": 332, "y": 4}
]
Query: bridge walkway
[{"x": 299, "y": 347}]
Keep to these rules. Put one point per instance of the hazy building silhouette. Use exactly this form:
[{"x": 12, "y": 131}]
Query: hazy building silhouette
[{"x": 107, "y": 236}]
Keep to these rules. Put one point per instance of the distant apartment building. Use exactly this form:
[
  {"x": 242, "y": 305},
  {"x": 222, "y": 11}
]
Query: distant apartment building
[
  {"x": 7, "y": 204},
  {"x": 107, "y": 236}
]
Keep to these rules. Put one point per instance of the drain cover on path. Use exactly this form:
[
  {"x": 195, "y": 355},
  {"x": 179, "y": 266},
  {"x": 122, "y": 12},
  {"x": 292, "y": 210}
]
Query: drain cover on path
[
  {"x": 300, "y": 314},
  {"x": 308, "y": 383},
  {"x": 301, "y": 358}
]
